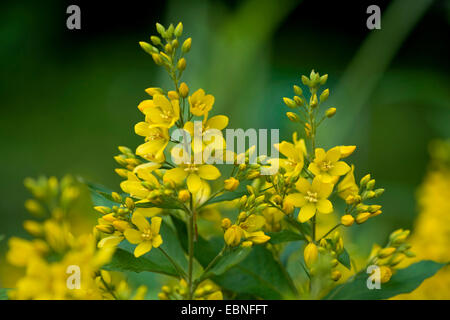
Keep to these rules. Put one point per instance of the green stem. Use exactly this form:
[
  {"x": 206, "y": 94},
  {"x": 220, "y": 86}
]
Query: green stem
[
  {"x": 190, "y": 253},
  {"x": 331, "y": 230},
  {"x": 211, "y": 264},
  {"x": 177, "y": 267}
]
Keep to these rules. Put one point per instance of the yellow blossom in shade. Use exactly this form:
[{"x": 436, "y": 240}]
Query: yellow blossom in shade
[
  {"x": 327, "y": 164},
  {"x": 147, "y": 236},
  {"x": 311, "y": 198},
  {"x": 193, "y": 173},
  {"x": 156, "y": 139},
  {"x": 310, "y": 254},
  {"x": 273, "y": 217},
  {"x": 200, "y": 103},
  {"x": 257, "y": 237},
  {"x": 161, "y": 111},
  {"x": 348, "y": 187}
]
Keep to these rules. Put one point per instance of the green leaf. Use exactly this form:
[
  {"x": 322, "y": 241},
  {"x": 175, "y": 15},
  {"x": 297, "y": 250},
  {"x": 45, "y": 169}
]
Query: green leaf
[
  {"x": 155, "y": 260},
  {"x": 204, "y": 250},
  {"x": 258, "y": 275},
  {"x": 284, "y": 236},
  {"x": 229, "y": 260},
  {"x": 344, "y": 259},
  {"x": 4, "y": 293},
  {"x": 403, "y": 281},
  {"x": 100, "y": 195}
]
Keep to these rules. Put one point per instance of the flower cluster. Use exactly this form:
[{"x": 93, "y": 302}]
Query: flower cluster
[{"x": 54, "y": 252}]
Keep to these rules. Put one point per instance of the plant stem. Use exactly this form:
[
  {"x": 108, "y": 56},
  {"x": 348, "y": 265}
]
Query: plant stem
[
  {"x": 190, "y": 253},
  {"x": 211, "y": 264},
  {"x": 331, "y": 230},
  {"x": 175, "y": 264}
]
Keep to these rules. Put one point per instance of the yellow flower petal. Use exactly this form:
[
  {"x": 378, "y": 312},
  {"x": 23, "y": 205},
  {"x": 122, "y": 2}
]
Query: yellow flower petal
[
  {"x": 334, "y": 154},
  {"x": 340, "y": 168},
  {"x": 157, "y": 241},
  {"x": 314, "y": 169},
  {"x": 140, "y": 221},
  {"x": 319, "y": 155},
  {"x": 208, "y": 172},
  {"x": 194, "y": 183},
  {"x": 307, "y": 212},
  {"x": 133, "y": 236},
  {"x": 217, "y": 122},
  {"x": 297, "y": 199},
  {"x": 142, "y": 248},
  {"x": 287, "y": 149},
  {"x": 303, "y": 185},
  {"x": 176, "y": 175},
  {"x": 149, "y": 212},
  {"x": 324, "y": 206},
  {"x": 156, "y": 225}
]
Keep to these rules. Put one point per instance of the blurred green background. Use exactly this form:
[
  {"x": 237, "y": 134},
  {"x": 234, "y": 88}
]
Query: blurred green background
[{"x": 69, "y": 97}]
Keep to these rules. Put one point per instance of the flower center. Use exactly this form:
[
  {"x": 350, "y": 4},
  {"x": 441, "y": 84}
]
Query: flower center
[
  {"x": 311, "y": 196},
  {"x": 166, "y": 114},
  {"x": 146, "y": 234},
  {"x": 326, "y": 165},
  {"x": 191, "y": 168}
]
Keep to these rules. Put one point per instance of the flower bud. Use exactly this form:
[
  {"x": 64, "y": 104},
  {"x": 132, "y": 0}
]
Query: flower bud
[
  {"x": 117, "y": 197},
  {"x": 157, "y": 59},
  {"x": 292, "y": 116},
  {"x": 233, "y": 236},
  {"x": 181, "y": 65},
  {"x": 231, "y": 184},
  {"x": 247, "y": 244},
  {"x": 147, "y": 47},
  {"x": 347, "y": 220},
  {"x": 186, "y": 45},
  {"x": 183, "y": 90},
  {"x": 289, "y": 103},
  {"x": 336, "y": 275},
  {"x": 226, "y": 223},
  {"x": 364, "y": 180},
  {"x": 178, "y": 30},
  {"x": 160, "y": 28},
  {"x": 362, "y": 217},
  {"x": 105, "y": 228},
  {"x": 33, "y": 228},
  {"x": 323, "y": 79},
  {"x": 297, "y": 90},
  {"x": 298, "y": 101},
  {"x": 324, "y": 95},
  {"x": 155, "y": 40},
  {"x": 385, "y": 274},
  {"x": 102, "y": 209},
  {"x": 121, "y": 225},
  {"x": 310, "y": 254},
  {"x": 313, "y": 103},
  {"x": 288, "y": 207},
  {"x": 330, "y": 112},
  {"x": 386, "y": 252},
  {"x": 184, "y": 195},
  {"x": 370, "y": 184}
]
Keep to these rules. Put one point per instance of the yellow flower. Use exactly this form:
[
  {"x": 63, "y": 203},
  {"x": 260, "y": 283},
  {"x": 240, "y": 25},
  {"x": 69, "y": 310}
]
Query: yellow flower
[
  {"x": 327, "y": 165},
  {"x": 233, "y": 236},
  {"x": 147, "y": 236},
  {"x": 161, "y": 111},
  {"x": 348, "y": 187},
  {"x": 193, "y": 173},
  {"x": 156, "y": 139},
  {"x": 294, "y": 153},
  {"x": 273, "y": 217},
  {"x": 200, "y": 104},
  {"x": 311, "y": 198}
]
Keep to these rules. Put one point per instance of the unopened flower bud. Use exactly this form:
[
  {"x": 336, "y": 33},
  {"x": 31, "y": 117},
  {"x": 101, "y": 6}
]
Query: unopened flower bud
[
  {"x": 186, "y": 45},
  {"x": 362, "y": 217},
  {"x": 226, "y": 223},
  {"x": 231, "y": 184},
  {"x": 297, "y": 90},
  {"x": 347, "y": 220},
  {"x": 324, "y": 95},
  {"x": 181, "y": 65},
  {"x": 336, "y": 275},
  {"x": 330, "y": 112},
  {"x": 386, "y": 252},
  {"x": 364, "y": 180},
  {"x": 184, "y": 90},
  {"x": 289, "y": 102},
  {"x": 184, "y": 195},
  {"x": 178, "y": 30},
  {"x": 310, "y": 254}
]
